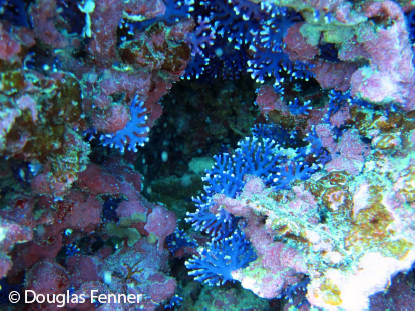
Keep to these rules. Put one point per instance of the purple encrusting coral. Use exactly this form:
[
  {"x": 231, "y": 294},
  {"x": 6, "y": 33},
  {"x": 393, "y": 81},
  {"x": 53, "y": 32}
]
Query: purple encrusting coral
[{"x": 282, "y": 132}]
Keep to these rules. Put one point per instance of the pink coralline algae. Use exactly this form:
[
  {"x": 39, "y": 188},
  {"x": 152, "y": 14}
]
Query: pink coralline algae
[
  {"x": 268, "y": 101},
  {"x": 388, "y": 76},
  {"x": 79, "y": 216},
  {"x": 161, "y": 223},
  {"x": 349, "y": 152},
  {"x": 305, "y": 109},
  {"x": 386, "y": 64},
  {"x": 47, "y": 277},
  {"x": 11, "y": 233}
]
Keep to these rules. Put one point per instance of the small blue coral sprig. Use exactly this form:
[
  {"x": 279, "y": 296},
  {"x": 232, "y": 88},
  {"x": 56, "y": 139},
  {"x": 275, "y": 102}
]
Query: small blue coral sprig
[
  {"x": 89, "y": 134},
  {"x": 269, "y": 57},
  {"x": 337, "y": 100},
  {"x": 410, "y": 19},
  {"x": 214, "y": 265},
  {"x": 175, "y": 301},
  {"x": 297, "y": 109},
  {"x": 132, "y": 133},
  {"x": 203, "y": 36},
  {"x": 179, "y": 239},
  {"x": 292, "y": 290},
  {"x": 72, "y": 250}
]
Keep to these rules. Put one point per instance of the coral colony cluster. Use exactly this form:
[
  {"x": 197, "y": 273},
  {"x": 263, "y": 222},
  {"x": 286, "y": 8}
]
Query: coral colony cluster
[{"x": 219, "y": 154}]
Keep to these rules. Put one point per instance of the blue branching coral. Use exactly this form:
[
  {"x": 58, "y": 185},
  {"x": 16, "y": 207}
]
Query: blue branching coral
[
  {"x": 293, "y": 171},
  {"x": 337, "y": 100},
  {"x": 175, "y": 301},
  {"x": 285, "y": 138},
  {"x": 218, "y": 225},
  {"x": 266, "y": 156},
  {"x": 238, "y": 36},
  {"x": 278, "y": 164},
  {"x": 297, "y": 109},
  {"x": 132, "y": 134},
  {"x": 269, "y": 155},
  {"x": 214, "y": 266},
  {"x": 226, "y": 176},
  {"x": 292, "y": 290}
]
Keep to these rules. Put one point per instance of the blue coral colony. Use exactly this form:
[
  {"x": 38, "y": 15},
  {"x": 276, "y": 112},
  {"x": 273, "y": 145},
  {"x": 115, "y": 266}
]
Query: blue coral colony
[{"x": 291, "y": 123}]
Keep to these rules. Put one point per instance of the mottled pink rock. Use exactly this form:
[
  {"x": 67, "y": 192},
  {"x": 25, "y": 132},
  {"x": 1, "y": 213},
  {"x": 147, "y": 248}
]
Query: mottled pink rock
[
  {"x": 47, "y": 277},
  {"x": 268, "y": 100},
  {"x": 97, "y": 181},
  {"x": 297, "y": 46},
  {"x": 44, "y": 15},
  {"x": 233, "y": 206},
  {"x": 399, "y": 296},
  {"x": 333, "y": 75},
  {"x": 325, "y": 133},
  {"x": 11, "y": 233},
  {"x": 113, "y": 119},
  {"x": 85, "y": 290},
  {"x": 161, "y": 223},
  {"x": 302, "y": 200},
  {"x": 27, "y": 102},
  {"x": 8, "y": 46},
  {"x": 156, "y": 92},
  {"x": 280, "y": 265},
  {"x": 83, "y": 269},
  {"x": 86, "y": 213},
  {"x": 20, "y": 214},
  {"x": 27, "y": 254},
  {"x": 390, "y": 74},
  {"x": 149, "y": 9},
  {"x": 253, "y": 185},
  {"x": 161, "y": 287},
  {"x": 104, "y": 23},
  {"x": 42, "y": 184},
  {"x": 131, "y": 209},
  {"x": 349, "y": 154},
  {"x": 179, "y": 30},
  {"x": 340, "y": 117},
  {"x": 409, "y": 104}
]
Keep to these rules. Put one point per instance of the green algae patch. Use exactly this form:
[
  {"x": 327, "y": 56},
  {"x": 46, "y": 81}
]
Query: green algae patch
[{"x": 131, "y": 234}]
